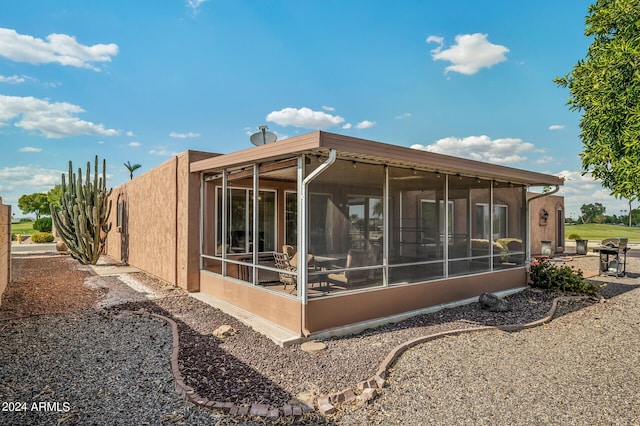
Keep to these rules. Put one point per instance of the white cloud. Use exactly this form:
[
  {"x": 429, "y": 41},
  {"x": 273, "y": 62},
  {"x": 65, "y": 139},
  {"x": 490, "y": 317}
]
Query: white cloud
[
  {"x": 366, "y": 124},
  {"x": 328, "y": 108},
  {"x": 18, "y": 180},
  {"x": 12, "y": 79},
  {"x": 162, "y": 151},
  {"x": 304, "y": 117},
  {"x": 580, "y": 189},
  {"x": 130, "y": 134},
  {"x": 544, "y": 159},
  {"x": 403, "y": 116},
  {"x": 29, "y": 149},
  {"x": 556, "y": 127},
  {"x": 482, "y": 148},
  {"x": 134, "y": 144},
  {"x": 184, "y": 135},
  {"x": 470, "y": 53},
  {"x": 54, "y": 120},
  {"x": 58, "y": 48},
  {"x": 195, "y": 5},
  {"x": 347, "y": 126}
]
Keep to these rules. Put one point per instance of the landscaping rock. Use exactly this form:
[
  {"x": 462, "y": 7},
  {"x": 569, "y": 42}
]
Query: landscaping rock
[
  {"x": 493, "y": 303},
  {"x": 224, "y": 331}
]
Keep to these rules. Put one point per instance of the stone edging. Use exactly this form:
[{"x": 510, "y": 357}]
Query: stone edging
[
  {"x": 368, "y": 389},
  {"x": 189, "y": 394}
]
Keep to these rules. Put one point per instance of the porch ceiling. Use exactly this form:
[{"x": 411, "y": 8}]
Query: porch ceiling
[{"x": 366, "y": 151}]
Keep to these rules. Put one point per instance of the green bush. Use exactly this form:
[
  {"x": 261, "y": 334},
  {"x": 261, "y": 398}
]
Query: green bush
[
  {"x": 42, "y": 237},
  {"x": 574, "y": 236},
  {"x": 43, "y": 224},
  {"x": 546, "y": 275}
]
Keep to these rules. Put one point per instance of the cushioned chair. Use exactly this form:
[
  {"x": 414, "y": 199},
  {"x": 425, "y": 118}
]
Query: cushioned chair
[{"x": 355, "y": 258}]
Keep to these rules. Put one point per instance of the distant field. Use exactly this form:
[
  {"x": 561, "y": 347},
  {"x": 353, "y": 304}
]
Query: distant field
[
  {"x": 23, "y": 228},
  {"x": 595, "y": 231}
]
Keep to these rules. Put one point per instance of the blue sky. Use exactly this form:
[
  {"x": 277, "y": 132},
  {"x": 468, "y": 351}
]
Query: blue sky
[{"x": 141, "y": 81}]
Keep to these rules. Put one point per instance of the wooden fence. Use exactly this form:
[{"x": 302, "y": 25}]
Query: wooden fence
[{"x": 5, "y": 247}]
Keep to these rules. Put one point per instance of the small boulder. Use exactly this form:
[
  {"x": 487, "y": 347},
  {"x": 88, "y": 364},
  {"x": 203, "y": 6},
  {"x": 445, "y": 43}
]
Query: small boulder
[
  {"x": 493, "y": 303},
  {"x": 224, "y": 331}
]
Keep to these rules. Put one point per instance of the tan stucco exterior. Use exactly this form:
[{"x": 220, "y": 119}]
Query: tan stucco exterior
[
  {"x": 549, "y": 229},
  {"x": 160, "y": 230},
  {"x": 5, "y": 247}
]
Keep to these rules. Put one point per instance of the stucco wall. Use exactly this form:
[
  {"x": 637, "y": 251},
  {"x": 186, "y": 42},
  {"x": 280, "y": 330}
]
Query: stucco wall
[
  {"x": 160, "y": 216},
  {"x": 551, "y": 229},
  {"x": 5, "y": 247}
]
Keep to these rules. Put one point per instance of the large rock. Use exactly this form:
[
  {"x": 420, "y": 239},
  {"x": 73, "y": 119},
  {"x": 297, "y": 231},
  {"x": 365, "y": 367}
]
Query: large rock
[
  {"x": 224, "y": 331},
  {"x": 493, "y": 303}
]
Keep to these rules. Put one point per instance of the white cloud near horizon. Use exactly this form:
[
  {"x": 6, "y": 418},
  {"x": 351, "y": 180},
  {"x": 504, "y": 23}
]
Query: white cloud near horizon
[
  {"x": 556, "y": 127},
  {"x": 347, "y": 126},
  {"x": 184, "y": 135},
  {"x": 57, "y": 48},
  {"x": 471, "y": 53},
  {"x": 482, "y": 148},
  {"x": 54, "y": 120},
  {"x": 580, "y": 189},
  {"x": 18, "y": 180},
  {"x": 29, "y": 149},
  {"x": 304, "y": 117}
]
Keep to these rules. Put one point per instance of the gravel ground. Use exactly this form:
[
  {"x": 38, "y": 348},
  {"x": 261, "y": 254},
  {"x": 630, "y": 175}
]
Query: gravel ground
[
  {"x": 449, "y": 381},
  {"x": 581, "y": 369}
]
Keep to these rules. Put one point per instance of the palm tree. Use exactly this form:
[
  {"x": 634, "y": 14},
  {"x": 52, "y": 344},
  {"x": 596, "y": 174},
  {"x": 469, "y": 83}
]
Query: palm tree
[{"x": 131, "y": 168}]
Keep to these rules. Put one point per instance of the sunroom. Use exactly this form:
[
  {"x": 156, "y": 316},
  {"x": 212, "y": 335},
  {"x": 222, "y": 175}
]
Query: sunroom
[{"x": 322, "y": 231}]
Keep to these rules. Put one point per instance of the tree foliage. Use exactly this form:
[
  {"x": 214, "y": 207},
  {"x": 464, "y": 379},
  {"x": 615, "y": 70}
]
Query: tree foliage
[
  {"x": 592, "y": 213},
  {"x": 35, "y": 203},
  {"x": 131, "y": 168},
  {"x": 605, "y": 87}
]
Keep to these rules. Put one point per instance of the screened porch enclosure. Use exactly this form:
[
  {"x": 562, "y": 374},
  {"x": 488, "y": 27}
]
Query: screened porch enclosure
[{"x": 360, "y": 224}]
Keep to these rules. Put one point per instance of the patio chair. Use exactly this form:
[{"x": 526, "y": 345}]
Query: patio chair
[
  {"x": 282, "y": 262},
  {"x": 355, "y": 258},
  {"x": 289, "y": 250}
]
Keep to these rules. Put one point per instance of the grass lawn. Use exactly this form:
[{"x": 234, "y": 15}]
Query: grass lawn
[
  {"x": 597, "y": 232},
  {"x": 23, "y": 228}
]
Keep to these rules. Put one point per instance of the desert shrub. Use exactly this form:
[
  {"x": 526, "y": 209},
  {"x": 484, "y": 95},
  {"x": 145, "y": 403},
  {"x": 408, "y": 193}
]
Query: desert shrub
[
  {"x": 43, "y": 224},
  {"x": 42, "y": 237},
  {"x": 562, "y": 278}
]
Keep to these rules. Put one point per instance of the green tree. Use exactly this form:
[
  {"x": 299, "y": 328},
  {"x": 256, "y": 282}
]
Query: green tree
[
  {"x": 35, "y": 203},
  {"x": 54, "y": 195},
  {"x": 592, "y": 213},
  {"x": 605, "y": 87},
  {"x": 131, "y": 168}
]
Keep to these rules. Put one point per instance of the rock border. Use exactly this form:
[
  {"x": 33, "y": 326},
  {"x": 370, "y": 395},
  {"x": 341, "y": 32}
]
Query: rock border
[{"x": 364, "y": 392}]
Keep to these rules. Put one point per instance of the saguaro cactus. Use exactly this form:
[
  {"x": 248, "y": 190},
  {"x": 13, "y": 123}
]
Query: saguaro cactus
[{"x": 81, "y": 219}]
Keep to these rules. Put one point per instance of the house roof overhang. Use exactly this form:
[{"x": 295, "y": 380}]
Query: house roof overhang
[{"x": 367, "y": 151}]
